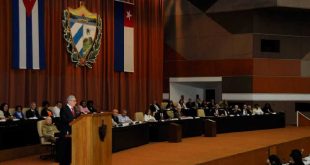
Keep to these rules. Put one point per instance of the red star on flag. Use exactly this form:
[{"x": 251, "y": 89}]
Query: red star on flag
[{"x": 128, "y": 16}]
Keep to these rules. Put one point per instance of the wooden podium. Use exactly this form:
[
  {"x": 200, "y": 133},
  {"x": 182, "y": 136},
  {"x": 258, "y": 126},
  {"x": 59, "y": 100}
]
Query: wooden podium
[{"x": 87, "y": 148}]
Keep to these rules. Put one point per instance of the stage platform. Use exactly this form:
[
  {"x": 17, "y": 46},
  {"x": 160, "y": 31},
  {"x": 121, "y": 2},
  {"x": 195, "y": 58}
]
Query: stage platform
[{"x": 252, "y": 148}]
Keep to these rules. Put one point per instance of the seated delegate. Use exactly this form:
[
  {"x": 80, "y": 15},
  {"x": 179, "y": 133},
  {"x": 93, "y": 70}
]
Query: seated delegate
[
  {"x": 123, "y": 118},
  {"x": 149, "y": 116},
  {"x": 49, "y": 130}
]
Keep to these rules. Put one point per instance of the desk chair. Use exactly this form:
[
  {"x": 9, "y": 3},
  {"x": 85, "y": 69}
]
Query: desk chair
[
  {"x": 12, "y": 110},
  {"x": 201, "y": 113},
  {"x": 139, "y": 116},
  {"x": 170, "y": 114},
  {"x": 24, "y": 110}
]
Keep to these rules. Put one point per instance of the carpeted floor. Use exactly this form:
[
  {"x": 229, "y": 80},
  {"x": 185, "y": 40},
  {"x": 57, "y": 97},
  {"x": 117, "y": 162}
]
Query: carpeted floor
[{"x": 194, "y": 150}]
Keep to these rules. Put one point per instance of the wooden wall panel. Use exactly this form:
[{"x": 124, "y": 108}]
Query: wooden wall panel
[
  {"x": 281, "y": 85},
  {"x": 229, "y": 67},
  {"x": 276, "y": 67},
  {"x": 237, "y": 84}
]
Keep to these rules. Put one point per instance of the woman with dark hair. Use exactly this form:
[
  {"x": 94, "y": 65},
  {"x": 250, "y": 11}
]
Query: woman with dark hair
[
  {"x": 5, "y": 108},
  {"x": 273, "y": 160},
  {"x": 90, "y": 106},
  {"x": 45, "y": 111},
  {"x": 296, "y": 157},
  {"x": 18, "y": 114},
  {"x": 83, "y": 107},
  {"x": 170, "y": 105},
  {"x": 267, "y": 108}
]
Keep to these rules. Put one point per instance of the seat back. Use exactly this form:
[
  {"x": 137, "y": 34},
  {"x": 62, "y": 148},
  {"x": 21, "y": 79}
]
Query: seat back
[
  {"x": 43, "y": 141},
  {"x": 24, "y": 111},
  {"x": 163, "y": 105},
  {"x": 139, "y": 116},
  {"x": 39, "y": 110},
  {"x": 12, "y": 110},
  {"x": 170, "y": 114},
  {"x": 201, "y": 113}
]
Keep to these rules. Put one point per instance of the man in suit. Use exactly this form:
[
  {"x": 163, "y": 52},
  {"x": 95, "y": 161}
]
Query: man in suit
[
  {"x": 32, "y": 112},
  {"x": 155, "y": 106},
  {"x": 115, "y": 115},
  {"x": 67, "y": 115},
  {"x": 90, "y": 106},
  {"x": 218, "y": 111}
]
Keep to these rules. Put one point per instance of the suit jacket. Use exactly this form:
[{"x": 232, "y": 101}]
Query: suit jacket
[
  {"x": 115, "y": 119},
  {"x": 220, "y": 112},
  {"x": 7, "y": 114},
  {"x": 91, "y": 109},
  {"x": 158, "y": 116},
  {"x": 153, "y": 108},
  {"x": 66, "y": 117},
  {"x": 34, "y": 113}
]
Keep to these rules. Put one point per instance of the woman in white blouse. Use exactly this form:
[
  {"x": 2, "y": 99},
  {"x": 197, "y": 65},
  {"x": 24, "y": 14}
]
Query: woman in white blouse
[
  {"x": 257, "y": 110},
  {"x": 149, "y": 116}
]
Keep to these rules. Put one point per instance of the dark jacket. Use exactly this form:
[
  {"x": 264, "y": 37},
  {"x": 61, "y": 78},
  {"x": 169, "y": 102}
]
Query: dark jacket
[
  {"x": 44, "y": 112},
  {"x": 115, "y": 119},
  {"x": 66, "y": 116},
  {"x": 30, "y": 113},
  {"x": 153, "y": 108}
]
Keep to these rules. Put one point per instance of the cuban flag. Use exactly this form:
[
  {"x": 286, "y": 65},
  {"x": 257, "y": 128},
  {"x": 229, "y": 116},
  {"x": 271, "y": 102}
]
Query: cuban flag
[
  {"x": 123, "y": 37},
  {"x": 28, "y": 34}
]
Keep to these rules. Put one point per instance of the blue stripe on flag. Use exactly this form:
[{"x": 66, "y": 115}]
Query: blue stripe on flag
[
  {"x": 29, "y": 42},
  {"x": 16, "y": 52},
  {"x": 118, "y": 36},
  {"x": 15, "y": 60},
  {"x": 78, "y": 35},
  {"x": 71, "y": 23},
  {"x": 81, "y": 52},
  {"x": 41, "y": 34}
]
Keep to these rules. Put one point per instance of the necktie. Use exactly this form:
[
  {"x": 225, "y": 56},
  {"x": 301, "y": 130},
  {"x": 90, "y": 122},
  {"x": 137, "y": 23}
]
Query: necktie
[{"x": 72, "y": 110}]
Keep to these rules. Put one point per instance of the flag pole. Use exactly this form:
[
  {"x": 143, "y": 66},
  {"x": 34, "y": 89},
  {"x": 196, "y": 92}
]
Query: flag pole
[{"x": 123, "y": 1}]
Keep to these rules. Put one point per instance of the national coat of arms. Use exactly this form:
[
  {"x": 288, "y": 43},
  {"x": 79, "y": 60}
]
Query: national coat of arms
[{"x": 82, "y": 32}]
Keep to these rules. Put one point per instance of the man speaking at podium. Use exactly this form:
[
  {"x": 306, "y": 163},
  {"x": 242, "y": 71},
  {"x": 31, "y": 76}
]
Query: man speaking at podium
[{"x": 67, "y": 115}]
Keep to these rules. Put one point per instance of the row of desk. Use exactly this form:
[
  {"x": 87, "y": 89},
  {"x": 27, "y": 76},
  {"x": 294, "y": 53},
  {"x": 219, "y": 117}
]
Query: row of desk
[
  {"x": 23, "y": 133},
  {"x": 135, "y": 135}
]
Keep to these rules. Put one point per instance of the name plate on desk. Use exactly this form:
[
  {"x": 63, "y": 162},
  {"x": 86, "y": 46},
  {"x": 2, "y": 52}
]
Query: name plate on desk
[
  {"x": 32, "y": 118},
  {"x": 125, "y": 124},
  {"x": 186, "y": 117}
]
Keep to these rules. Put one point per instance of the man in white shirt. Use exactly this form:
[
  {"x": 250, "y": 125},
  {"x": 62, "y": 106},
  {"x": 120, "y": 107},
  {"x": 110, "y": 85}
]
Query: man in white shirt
[
  {"x": 123, "y": 118},
  {"x": 56, "y": 109}
]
